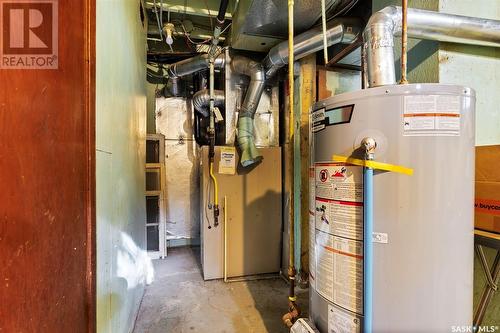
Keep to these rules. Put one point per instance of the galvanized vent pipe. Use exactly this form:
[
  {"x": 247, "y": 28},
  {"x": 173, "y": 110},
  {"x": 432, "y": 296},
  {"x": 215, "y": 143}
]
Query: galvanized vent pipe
[
  {"x": 201, "y": 100},
  {"x": 341, "y": 30},
  {"x": 338, "y": 31},
  {"x": 193, "y": 65},
  {"x": 385, "y": 24},
  {"x": 253, "y": 69}
]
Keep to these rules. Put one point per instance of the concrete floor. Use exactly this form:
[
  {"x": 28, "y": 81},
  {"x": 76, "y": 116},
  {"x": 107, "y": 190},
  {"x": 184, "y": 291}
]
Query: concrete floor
[{"x": 179, "y": 301}]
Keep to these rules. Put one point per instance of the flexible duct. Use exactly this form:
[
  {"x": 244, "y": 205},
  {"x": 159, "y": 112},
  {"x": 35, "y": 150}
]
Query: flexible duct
[
  {"x": 338, "y": 31},
  {"x": 253, "y": 69},
  {"x": 341, "y": 30},
  {"x": 385, "y": 24},
  {"x": 201, "y": 100},
  {"x": 193, "y": 65}
]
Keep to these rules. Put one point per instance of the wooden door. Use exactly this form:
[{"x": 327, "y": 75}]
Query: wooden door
[{"x": 47, "y": 182}]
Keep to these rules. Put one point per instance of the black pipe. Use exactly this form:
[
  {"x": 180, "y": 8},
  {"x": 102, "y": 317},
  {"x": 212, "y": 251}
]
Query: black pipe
[{"x": 222, "y": 12}]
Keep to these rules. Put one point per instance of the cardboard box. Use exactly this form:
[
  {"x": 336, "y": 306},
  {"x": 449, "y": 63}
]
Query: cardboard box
[{"x": 487, "y": 197}]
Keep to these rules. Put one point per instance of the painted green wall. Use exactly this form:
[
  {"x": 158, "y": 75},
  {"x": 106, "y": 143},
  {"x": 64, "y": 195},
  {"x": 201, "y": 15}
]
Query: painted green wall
[
  {"x": 151, "y": 108},
  {"x": 473, "y": 66},
  {"x": 120, "y": 158},
  {"x": 476, "y": 67}
]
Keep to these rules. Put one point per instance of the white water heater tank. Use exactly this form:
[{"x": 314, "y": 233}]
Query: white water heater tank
[{"x": 423, "y": 223}]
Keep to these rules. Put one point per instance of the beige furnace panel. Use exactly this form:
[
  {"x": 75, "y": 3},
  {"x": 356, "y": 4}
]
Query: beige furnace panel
[{"x": 253, "y": 217}]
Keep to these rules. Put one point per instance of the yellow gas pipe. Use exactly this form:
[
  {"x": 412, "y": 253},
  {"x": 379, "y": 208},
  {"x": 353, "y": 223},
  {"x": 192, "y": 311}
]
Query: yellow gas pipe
[{"x": 216, "y": 192}]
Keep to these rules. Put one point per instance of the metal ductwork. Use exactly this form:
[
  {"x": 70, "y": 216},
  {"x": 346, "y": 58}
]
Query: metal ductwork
[
  {"x": 201, "y": 100},
  {"x": 259, "y": 25},
  {"x": 193, "y": 65},
  {"x": 342, "y": 30},
  {"x": 253, "y": 69},
  {"x": 385, "y": 24}
]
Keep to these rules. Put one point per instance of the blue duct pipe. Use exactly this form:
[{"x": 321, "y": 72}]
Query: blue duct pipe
[{"x": 368, "y": 250}]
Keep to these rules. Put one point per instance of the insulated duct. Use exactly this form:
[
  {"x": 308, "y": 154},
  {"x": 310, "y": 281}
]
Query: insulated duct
[
  {"x": 385, "y": 24},
  {"x": 193, "y": 65},
  {"x": 253, "y": 69},
  {"x": 341, "y": 30},
  {"x": 201, "y": 100}
]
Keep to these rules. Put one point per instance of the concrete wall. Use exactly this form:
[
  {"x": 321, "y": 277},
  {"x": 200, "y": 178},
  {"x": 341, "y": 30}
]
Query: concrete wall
[
  {"x": 473, "y": 66},
  {"x": 120, "y": 157}
]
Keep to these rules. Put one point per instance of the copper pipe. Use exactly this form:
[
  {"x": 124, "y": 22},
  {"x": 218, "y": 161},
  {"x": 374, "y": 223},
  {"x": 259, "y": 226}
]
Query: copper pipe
[
  {"x": 404, "y": 44},
  {"x": 291, "y": 130},
  {"x": 291, "y": 316},
  {"x": 293, "y": 311}
]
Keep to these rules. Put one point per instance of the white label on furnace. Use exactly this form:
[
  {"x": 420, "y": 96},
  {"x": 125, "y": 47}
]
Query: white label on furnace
[
  {"x": 227, "y": 163},
  {"x": 339, "y": 271},
  {"x": 341, "y": 321},
  {"x": 431, "y": 115}
]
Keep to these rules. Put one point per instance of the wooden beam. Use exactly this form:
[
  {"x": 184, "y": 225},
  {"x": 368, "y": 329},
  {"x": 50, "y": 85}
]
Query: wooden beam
[{"x": 307, "y": 95}]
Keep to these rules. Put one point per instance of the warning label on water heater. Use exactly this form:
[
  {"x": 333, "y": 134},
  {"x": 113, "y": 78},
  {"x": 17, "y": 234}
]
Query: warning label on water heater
[
  {"x": 312, "y": 229},
  {"x": 339, "y": 271},
  {"x": 338, "y": 252},
  {"x": 339, "y": 181},
  {"x": 431, "y": 115},
  {"x": 339, "y": 199},
  {"x": 312, "y": 255}
]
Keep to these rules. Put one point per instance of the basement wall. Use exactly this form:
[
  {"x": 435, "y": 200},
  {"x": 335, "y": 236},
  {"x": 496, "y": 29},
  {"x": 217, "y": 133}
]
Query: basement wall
[{"x": 120, "y": 163}]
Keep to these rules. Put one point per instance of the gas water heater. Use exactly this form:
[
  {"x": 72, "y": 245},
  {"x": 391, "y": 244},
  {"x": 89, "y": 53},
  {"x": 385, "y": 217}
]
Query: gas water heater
[{"x": 422, "y": 223}]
